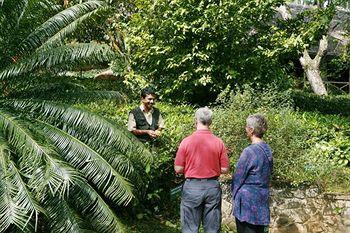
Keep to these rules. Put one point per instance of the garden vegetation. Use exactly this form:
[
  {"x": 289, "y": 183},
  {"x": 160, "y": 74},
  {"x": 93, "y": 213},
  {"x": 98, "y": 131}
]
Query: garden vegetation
[{"x": 67, "y": 162}]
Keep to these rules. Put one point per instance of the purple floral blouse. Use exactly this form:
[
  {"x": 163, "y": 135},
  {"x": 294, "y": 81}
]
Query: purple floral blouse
[{"x": 250, "y": 185}]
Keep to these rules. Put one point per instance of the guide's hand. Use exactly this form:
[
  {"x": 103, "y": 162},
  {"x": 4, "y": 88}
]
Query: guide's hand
[
  {"x": 158, "y": 133},
  {"x": 152, "y": 133}
]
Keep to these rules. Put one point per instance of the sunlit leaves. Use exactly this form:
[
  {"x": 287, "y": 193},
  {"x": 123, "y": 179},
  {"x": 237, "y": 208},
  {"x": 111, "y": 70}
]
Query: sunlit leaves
[
  {"x": 182, "y": 45},
  {"x": 46, "y": 59},
  {"x": 56, "y": 28}
]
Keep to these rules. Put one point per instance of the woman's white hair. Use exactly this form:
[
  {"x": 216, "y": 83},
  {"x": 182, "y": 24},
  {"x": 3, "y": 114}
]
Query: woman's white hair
[
  {"x": 204, "y": 115},
  {"x": 258, "y": 123}
]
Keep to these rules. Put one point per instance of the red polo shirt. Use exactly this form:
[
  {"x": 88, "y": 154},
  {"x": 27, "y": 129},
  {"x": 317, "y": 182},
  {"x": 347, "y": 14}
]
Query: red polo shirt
[{"x": 202, "y": 155}]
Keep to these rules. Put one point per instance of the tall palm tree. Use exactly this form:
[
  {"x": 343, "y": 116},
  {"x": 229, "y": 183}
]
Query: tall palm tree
[{"x": 61, "y": 167}]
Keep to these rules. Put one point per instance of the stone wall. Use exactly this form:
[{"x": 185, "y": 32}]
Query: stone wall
[{"x": 300, "y": 211}]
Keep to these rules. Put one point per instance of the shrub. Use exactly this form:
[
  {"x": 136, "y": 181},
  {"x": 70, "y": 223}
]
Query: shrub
[
  {"x": 286, "y": 134},
  {"x": 339, "y": 104},
  {"x": 294, "y": 137}
]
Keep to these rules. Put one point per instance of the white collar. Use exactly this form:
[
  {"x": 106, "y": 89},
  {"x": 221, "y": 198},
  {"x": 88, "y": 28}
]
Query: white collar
[{"x": 142, "y": 107}]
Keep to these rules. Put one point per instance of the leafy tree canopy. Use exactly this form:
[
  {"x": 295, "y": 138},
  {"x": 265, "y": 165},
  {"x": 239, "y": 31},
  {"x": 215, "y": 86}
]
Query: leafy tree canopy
[
  {"x": 182, "y": 46},
  {"x": 205, "y": 45}
]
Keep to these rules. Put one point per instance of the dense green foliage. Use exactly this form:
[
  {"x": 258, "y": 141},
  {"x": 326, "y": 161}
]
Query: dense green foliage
[
  {"x": 185, "y": 45},
  {"x": 286, "y": 134},
  {"x": 307, "y": 148},
  {"x": 68, "y": 168},
  {"x": 334, "y": 104},
  {"x": 180, "y": 46}
]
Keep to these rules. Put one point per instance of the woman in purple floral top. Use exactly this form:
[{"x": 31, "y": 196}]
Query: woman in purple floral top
[{"x": 250, "y": 182}]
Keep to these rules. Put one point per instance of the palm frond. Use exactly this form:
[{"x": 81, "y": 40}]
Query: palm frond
[
  {"x": 57, "y": 92},
  {"x": 66, "y": 54},
  {"x": 25, "y": 5},
  {"x": 50, "y": 6},
  {"x": 93, "y": 96},
  {"x": 93, "y": 124},
  {"x": 70, "y": 28},
  {"x": 17, "y": 204},
  {"x": 57, "y": 22},
  {"x": 10, "y": 212},
  {"x": 36, "y": 158},
  {"x": 24, "y": 197},
  {"x": 93, "y": 207},
  {"x": 63, "y": 218},
  {"x": 92, "y": 164},
  {"x": 21, "y": 140},
  {"x": 122, "y": 162},
  {"x": 55, "y": 175},
  {"x": 13, "y": 10}
]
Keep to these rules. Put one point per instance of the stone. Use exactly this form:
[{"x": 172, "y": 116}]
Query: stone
[
  {"x": 312, "y": 193},
  {"x": 346, "y": 222},
  {"x": 314, "y": 227},
  {"x": 301, "y": 211},
  {"x": 346, "y": 211},
  {"x": 291, "y": 228},
  {"x": 298, "y": 194},
  {"x": 294, "y": 204},
  {"x": 283, "y": 220}
]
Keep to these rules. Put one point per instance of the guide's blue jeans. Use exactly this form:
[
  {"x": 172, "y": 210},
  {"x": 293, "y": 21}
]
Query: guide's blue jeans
[{"x": 201, "y": 202}]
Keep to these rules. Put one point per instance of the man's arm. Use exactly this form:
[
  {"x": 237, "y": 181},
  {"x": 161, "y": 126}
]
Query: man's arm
[
  {"x": 179, "y": 163},
  {"x": 151, "y": 133},
  {"x": 224, "y": 161},
  {"x": 225, "y": 170},
  {"x": 179, "y": 169}
]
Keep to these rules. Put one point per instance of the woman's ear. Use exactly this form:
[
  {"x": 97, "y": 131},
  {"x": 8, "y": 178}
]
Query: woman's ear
[{"x": 249, "y": 131}]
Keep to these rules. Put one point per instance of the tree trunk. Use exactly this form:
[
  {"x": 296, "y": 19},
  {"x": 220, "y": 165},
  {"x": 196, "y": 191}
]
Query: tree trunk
[{"x": 312, "y": 68}]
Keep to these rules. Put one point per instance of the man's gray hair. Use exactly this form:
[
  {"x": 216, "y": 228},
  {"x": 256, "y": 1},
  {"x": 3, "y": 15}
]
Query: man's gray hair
[
  {"x": 258, "y": 123},
  {"x": 204, "y": 115}
]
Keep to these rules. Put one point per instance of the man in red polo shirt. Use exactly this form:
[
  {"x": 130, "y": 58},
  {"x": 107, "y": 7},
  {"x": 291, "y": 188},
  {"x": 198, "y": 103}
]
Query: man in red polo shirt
[{"x": 201, "y": 157}]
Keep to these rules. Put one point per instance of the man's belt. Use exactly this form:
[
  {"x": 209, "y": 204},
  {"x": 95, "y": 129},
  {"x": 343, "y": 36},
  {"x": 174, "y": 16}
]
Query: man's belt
[{"x": 202, "y": 179}]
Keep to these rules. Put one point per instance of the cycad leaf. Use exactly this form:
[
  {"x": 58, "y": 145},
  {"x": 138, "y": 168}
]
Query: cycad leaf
[
  {"x": 106, "y": 131},
  {"x": 58, "y": 38},
  {"x": 93, "y": 207},
  {"x": 10, "y": 213},
  {"x": 55, "y": 175},
  {"x": 50, "y": 6},
  {"x": 57, "y": 22},
  {"x": 63, "y": 218},
  {"x": 35, "y": 158},
  {"x": 21, "y": 140},
  {"x": 92, "y": 164},
  {"x": 24, "y": 197},
  {"x": 121, "y": 162},
  {"x": 66, "y": 54},
  {"x": 13, "y": 11},
  {"x": 17, "y": 204},
  {"x": 25, "y": 5},
  {"x": 52, "y": 93}
]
